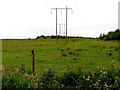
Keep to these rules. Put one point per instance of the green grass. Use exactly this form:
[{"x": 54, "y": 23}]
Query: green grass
[{"x": 87, "y": 54}]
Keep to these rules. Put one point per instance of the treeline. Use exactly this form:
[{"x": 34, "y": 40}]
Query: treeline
[
  {"x": 52, "y": 37},
  {"x": 115, "y": 35},
  {"x": 61, "y": 37},
  {"x": 58, "y": 37},
  {"x": 112, "y": 35}
]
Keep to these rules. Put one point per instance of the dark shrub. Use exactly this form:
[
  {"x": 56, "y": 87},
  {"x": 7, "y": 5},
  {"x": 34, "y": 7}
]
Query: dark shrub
[
  {"x": 115, "y": 35},
  {"x": 48, "y": 80}
]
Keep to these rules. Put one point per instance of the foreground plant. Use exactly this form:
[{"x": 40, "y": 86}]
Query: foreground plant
[{"x": 101, "y": 79}]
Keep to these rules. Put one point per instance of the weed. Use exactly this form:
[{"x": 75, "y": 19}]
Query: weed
[
  {"x": 109, "y": 54},
  {"x": 74, "y": 59},
  {"x": 78, "y": 49},
  {"x": 67, "y": 48},
  {"x": 42, "y": 61},
  {"x": 64, "y": 54},
  {"x": 23, "y": 68},
  {"x": 116, "y": 48},
  {"x": 70, "y": 53}
]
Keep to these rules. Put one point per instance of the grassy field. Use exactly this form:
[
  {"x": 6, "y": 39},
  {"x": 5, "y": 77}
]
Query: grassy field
[{"x": 87, "y": 54}]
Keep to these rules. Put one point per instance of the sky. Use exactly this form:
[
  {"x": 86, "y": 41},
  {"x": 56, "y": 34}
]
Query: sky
[{"x": 21, "y": 19}]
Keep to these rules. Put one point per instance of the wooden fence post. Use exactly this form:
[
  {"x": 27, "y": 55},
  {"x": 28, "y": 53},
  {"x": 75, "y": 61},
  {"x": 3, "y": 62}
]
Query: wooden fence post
[{"x": 33, "y": 63}]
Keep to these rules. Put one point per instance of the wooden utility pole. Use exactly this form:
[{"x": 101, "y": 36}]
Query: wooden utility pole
[
  {"x": 66, "y": 20},
  {"x": 56, "y": 23}
]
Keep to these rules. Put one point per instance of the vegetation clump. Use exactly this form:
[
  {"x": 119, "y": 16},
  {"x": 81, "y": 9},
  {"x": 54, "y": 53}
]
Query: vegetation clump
[
  {"x": 103, "y": 78},
  {"x": 115, "y": 35}
]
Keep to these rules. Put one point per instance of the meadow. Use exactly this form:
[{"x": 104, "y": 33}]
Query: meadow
[
  {"x": 87, "y": 54},
  {"x": 63, "y": 63}
]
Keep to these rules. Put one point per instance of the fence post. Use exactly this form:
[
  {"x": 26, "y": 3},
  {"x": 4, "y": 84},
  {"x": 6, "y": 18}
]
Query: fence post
[{"x": 33, "y": 63}]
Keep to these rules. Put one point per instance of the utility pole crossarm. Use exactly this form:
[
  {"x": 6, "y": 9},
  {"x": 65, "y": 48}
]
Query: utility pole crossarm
[{"x": 60, "y": 8}]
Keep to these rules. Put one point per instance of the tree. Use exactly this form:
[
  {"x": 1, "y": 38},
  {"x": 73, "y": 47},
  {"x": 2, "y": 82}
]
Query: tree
[{"x": 111, "y": 35}]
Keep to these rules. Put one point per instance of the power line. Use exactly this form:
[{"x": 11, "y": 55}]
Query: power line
[
  {"x": 75, "y": 4},
  {"x": 46, "y": 4},
  {"x": 56, "y": 9}
]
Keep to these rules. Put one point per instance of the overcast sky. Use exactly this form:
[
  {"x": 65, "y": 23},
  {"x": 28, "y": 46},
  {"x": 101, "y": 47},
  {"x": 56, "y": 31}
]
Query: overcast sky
[{"x": 31, "y": 18}]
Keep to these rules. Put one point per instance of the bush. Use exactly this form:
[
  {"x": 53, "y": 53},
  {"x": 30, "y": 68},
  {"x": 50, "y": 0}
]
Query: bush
[
  {"x": 101, "y": 79},
  {"x": 48, "y": 80},
  {"x": 42, "y": 36}
]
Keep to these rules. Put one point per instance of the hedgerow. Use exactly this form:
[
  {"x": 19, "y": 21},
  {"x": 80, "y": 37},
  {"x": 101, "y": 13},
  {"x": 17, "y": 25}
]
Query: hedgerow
[{"x": 103, "y": 78}]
